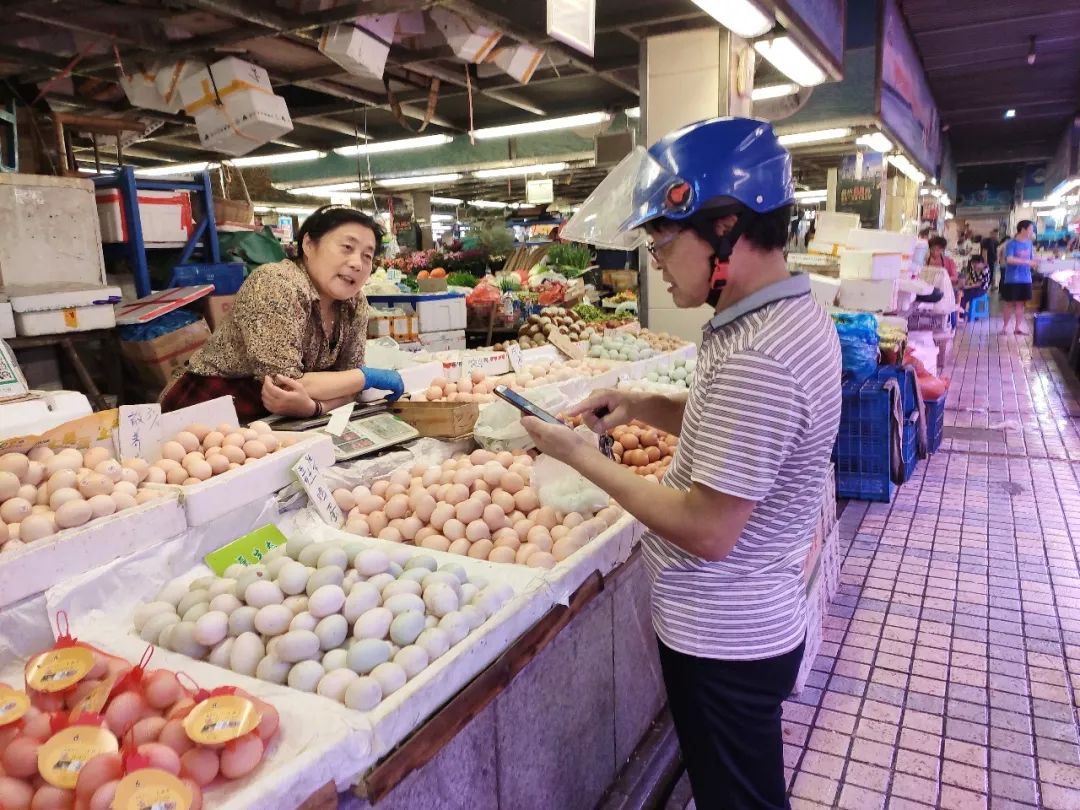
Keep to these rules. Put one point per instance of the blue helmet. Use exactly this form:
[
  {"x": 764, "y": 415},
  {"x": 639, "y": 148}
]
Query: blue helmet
[{"x": 712, "y": 164}]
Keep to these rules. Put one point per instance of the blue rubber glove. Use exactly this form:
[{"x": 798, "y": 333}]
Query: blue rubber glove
[{"x": 384, "y": 379}]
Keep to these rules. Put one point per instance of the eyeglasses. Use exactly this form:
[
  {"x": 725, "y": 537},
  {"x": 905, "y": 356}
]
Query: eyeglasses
[{"x": 653, "y": 247}]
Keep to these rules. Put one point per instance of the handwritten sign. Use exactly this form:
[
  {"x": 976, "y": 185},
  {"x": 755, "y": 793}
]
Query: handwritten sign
[
  {"x": 471, "y": 364},
  {"x": 566, "y": 346},
  {"x": 139, "y": 432},
  {"x": 516, "y": 358},
  {"x": 247, "y": 550},
  {"x": 311, "y": 479},
  {"x": 339, "y": 419}
]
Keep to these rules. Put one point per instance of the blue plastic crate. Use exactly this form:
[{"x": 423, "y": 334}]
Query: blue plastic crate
[
  {"x": 905, "y": 377},
  {"x": 1055, "y": 329},
  {"x": 909, "y": 447},
  {"x": 935, "y": 423},
  {"x": 862, "y": 452},
  {"x": 226, "y": 277}
]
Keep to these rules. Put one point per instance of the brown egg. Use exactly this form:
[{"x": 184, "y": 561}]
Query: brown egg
[
  {"x": 436, "y": 542},
  {"x": 213, "y": 439},
  {"x": 218, "y": 462},
  {"x": 176, "y": 476},
  {"x": 502, "y": 554},
  {"x": 61, "y": 496},
  {"x": 188, "y": 440},
  {"x": 453, "y": 529},
  {"x": 102, "y": 505},
  {"x": 15, "y": 463},
  {"x": 139, "y": 466},
  {"x": 200, "y": 470},
  {"x": 270, "y": 442},
  {"x": 526, "y": 551},
  {"x": 73, "y": 513},
  {"x": 93, "y": 484},
  {"x": 234, "y": 453},
  {"x": 36, "y": 527},
  {"x": 62, "y": 479},
  {"x": 191, "y": 458},
  {"x": 233, "y": 440},
  {"x": 199, "y": 430},
  {"x": 35, "y": 473},
  {"x": 42, "y": 453},
  {"x": 155, "y": 475},
  {"x": 173, "y": 451},
  {"x": 29, "y": 492},
  {"x": 461, "y": 546},
  {"x": 111, "y": 468},
  {"x": 253, "y": 448},
  {"x": 481, "y": 549},
  {"x": 123, "y": 501},
  {"x": 94, "y": 456},
  {"x": 541, "y": 559}
]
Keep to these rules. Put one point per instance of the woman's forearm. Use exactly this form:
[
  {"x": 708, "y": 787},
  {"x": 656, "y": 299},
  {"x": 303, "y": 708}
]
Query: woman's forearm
[
  {"x": 337, "y": 402},
  {"x": 332, "y": 385}
]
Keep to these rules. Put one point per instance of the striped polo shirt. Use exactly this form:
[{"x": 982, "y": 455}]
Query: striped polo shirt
[{"x": 760, "y": 422}]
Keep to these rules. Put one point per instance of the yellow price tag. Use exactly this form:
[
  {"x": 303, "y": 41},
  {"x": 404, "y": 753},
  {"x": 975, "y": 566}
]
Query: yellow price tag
[
  {"x": 63, "y": 755},
  {"x": 96, "y": 698},
  {"x": 71, "y": 318},
  {"x": 151, "y": 788},
  {"x": 13, "y": 705},
  {"x": 57, "y": 670},
  {"x": 220, "y": 719}
]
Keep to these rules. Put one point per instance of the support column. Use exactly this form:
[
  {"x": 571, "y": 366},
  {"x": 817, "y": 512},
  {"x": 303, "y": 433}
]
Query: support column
[
  {"x": 901, "y": 203},
  {"x": 686, "y": 77},
  {"x": 421, "y": 204}
]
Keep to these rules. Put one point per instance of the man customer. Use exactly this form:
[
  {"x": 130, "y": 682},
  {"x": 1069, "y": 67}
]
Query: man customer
[
  {"x": 1016, "y": 276},
  {"x": 989, "y": 255}
]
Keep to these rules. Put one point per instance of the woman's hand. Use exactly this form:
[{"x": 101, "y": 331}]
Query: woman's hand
[
  {"x": 558, "y": 441},
  {"x": 286, "y": 396}
]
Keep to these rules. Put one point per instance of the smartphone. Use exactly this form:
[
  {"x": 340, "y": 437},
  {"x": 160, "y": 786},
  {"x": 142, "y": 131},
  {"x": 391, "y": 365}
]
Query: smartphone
[{"x": 523, "y": 405}]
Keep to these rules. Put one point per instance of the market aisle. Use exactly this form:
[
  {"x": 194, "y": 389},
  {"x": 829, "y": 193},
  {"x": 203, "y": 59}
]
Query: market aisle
[{"x": 950, "y": 672}]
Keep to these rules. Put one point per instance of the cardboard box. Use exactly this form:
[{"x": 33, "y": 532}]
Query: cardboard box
[
  {"x": 165, "y": 216},
  {"x": 443, "y": 420},
  {"x": 142, "y": 91},
  {"x": 155, "y": 360},
  {"x": 218, "y": 308},
  {"x": 519, "y": 61},
  {"x": 432, "y": 285},
  {"x": 865, "y": 295},
  {"x": 361, "y": 48},
  {"x": 247, "y": 120},
  {"x": 470, "y": 42},
  {"x": 870, "y": 264}
]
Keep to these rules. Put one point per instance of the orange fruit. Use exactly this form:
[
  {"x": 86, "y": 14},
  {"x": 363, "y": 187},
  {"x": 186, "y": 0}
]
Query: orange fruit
[
  {"x": 422, "y": 275},
  {"x": 438, "y": 272}
]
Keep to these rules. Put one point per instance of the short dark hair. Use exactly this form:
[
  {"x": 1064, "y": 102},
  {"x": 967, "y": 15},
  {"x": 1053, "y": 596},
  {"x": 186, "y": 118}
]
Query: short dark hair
[
  {"x": 939, "y": 241},
  {"x": 767, "y": 231},
  {"x": 330, "y": 218},
  {"x": 977, "y": 257},
  {"x": 1023, "y": 225}
]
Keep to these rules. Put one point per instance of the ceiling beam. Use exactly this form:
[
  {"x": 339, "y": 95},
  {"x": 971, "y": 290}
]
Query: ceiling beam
[{"x": 970, "y": 25}]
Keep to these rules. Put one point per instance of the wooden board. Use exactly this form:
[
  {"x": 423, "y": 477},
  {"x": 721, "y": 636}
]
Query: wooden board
[{"x": 441, "y": 420}]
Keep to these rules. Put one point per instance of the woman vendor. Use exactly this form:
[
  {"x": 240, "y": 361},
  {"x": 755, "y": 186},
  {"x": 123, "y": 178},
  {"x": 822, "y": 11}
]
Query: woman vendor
[
  {"x": 728, "y": 531},
  {"x": 294, "y": 341}
]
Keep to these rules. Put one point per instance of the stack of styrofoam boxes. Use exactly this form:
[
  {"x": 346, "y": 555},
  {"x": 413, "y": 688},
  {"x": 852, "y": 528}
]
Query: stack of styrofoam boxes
[
  {"x": 831, "y": 231},
  {"x": 439, "y": 318},
  {"x": 871, "y": 266},
  {"x": 824, "y": 289},
  {"x": 234, "y": 106},
  {"x": 165, "y": 216},
  {"x": 360, "y": 48}
]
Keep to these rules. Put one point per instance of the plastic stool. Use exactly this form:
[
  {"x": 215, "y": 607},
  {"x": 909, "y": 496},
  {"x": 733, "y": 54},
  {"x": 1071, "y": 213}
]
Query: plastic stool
[{"x": 978, "y": 309}]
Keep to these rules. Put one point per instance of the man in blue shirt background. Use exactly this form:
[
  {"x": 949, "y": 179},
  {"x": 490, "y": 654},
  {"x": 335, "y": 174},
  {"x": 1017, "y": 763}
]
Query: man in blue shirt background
[{"x": 1016, "y": 276}]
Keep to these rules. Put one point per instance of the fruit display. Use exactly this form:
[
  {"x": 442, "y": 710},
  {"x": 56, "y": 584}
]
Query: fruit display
[
  {"x": 548, "y": 372},
  {"x": 661, "y": 341},
  {"x": 44, "y": 492},
  {"x": 536, "y": 329},
  {"x": 199, "y": 452},
  {"x": 482, "y": 505},
  {"x": 340, "y": 619},
  {"x": 476, "y": 387},
  {"x": 145, "y": 714},
  {"x": 620, "y": 346}
]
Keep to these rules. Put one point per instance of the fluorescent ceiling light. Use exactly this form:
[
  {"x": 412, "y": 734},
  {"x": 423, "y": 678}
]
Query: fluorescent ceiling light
[
  {"x": 876, "y": 141},
  {"x": 1010, "y": 113},
  {"x": 487, "y": 204},
  {"x": 517, "y": 171},
  {"x": 936, "y": 192},
  {"x": 774, "y": 91},
  {"x": 442, "y": 217},
  {"x": 419, "y": 180},
  {"x": 543, "y": 125},
  {"x": 175, "y": 168},
  {"x": 284, "y": 209},
  {"x": 275, "y": 160},
  {"x": 924, "y": 191},
  {"x": 1045, "y": 203},
  {"x": 791, "y": 60},
  {"x": 805, "y": 195},
  {"x": 633, "y": 112},
  {"x": 814, "y": 136},
  {"x": 316, "y": 192},
  {"x": 402, "y": 145},
  {"x": 742, "y": 17},
  {"x": 1063, "y": 188},
  {"x": 446, "y": 201},
  {"x": 906, "y": 167}
]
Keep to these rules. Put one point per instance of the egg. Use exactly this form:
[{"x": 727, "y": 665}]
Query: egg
[
  {"x": 262, "y": 593},
  {"x": 468, "y": 511},
  {"x": 396, "y": 507},
  {"x": 155, "y": 475},
  {"x": 526, "y": 500},
  {"x": 374, "y": 623},
  {"x": 390, "y": 677},
  {"x": 436, "y": 542},
  {"x": 502, "y": 554},
  {"x": 173, "y": 451},
  {"x": 441, "y": 514},
  {"x": 200, "y": 765},
  {"x": 253, "y": 448},
  {"x": 477, "y": 530},
  {"x": 122, "y": 501},
  {"x": 305, "y": 675},
  {"x": 363, "y": 694},
  {"x": 456, "y": 493},
  {"x": 15, "y": 464},
  {"x": 459, "y": 546},
  {"x": 326, "y": 600},
  {"x": 124, "y": 711},
  {"x": 37, "y": 527},
  {"x": 9, "y": 485},
  {"x": 212, "y": 627},
  {"x": 247, "y": 651},
  {"x": 19, "y": 759},
  {"x": 412, "y": 659}
]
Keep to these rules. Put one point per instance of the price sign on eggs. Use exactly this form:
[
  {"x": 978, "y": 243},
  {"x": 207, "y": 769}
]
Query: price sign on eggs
[
  {"x": 247, "y": 550},
  {"x": 514, "y": 355},
  {"x": 307, "y": 472}
]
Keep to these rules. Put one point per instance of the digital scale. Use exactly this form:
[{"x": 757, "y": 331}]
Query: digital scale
[{"x": 370, "y": 429}]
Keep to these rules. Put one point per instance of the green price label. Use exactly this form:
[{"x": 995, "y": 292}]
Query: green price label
[{"x": 247, "y": 550}]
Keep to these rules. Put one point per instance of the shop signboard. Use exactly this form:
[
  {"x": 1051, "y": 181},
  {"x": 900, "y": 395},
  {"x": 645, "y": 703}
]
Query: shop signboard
[
  {"x": 1034, "y": 182},
  {"x": 984, "y": 200},
  {"x": 905, "y": 103},
  {"x": 859, "y": 187}
]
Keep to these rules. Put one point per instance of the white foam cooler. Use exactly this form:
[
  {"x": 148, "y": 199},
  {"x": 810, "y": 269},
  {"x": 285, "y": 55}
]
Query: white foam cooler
[{"x": 55, "y": 308}]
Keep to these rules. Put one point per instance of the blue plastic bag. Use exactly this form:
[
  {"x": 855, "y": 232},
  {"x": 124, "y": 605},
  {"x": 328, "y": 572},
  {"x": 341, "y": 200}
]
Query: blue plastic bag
[{"x": 858, "y": 343}]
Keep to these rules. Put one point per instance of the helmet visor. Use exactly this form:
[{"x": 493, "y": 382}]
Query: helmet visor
[{"x": 632, "y": 194}]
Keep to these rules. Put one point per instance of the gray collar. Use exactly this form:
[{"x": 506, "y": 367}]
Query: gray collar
[{"x": 798, "y": 284}]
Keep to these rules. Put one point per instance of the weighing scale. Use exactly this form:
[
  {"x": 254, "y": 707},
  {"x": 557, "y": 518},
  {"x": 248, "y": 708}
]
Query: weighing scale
[{"x": 371, "y": 429}]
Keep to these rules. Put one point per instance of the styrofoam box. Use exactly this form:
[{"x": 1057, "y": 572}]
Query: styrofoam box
[
  {"x": 142, "y": 91},
  {"x": 165, "y": 216},
  {"x": 360, "y": 49},
  {"x": 51, "y": 309},
  {"x": 884, "y": 241},
  {"x": 44, "y": 411},
  {"x": 832, "y": 226},
  {"x": 7, "y": 320},
  {"x": 867, "y": 295},
  {"x": 869, "y": 264},
  {"x": 825, "y": 247},
  {"x": 247, "y": 120},
  {"x": 443, "y": 341},
  {"x": 221, "y": 75},
  {"x": 437, "y": 312},
  {"x": 168, "y": 78},
  {"x": 824, "y": 289},
  {"x": 39, "y": 565}
]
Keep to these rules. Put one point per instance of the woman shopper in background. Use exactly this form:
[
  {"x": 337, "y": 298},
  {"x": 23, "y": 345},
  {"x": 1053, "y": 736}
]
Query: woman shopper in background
[
  {"x": 1016, "y": 276},
  {"x": 729, "y": 529}
]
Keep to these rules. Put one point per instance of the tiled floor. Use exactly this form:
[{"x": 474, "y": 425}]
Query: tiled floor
[{"x": 950, "y": 672}]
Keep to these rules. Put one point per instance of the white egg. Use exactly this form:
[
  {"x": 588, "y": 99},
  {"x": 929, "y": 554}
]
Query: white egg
[
  {"x": 152, "y": 627},
  {"x": 435, "y": 642},
  {"x": 440, "y": 599},
  {"x": 390, "y": 676},
  {"x": 363, "y": 694},
  {"x": 273, "y": 670},
  {"x": 211, "y": 627},
  {"x": 332, "y": 631},
  {"x": 144, "y": 613},
  {"x": 374, "y": 623},
  {"x": 306, "y": 676},
  {"x": 413, "y": 659},
  {"x": 242, "y": 620},
  {"x": 298, "y": 645},
  {"x": 326, "y": 600},
  {"x": 273, "y": 620},
  {"x": 303, "y": 621},
  {"x": 362, "y": 597},
  {"x": 333, "y": 684},
  {"x": 335, "y": 659},
  {"x": 262, "y": 593},
  {"x": 246, "y": 653},
  {"x": 73, "y": 513},
  {"x": 403, "y": 602},
  {"x": 219, "y": 656}
]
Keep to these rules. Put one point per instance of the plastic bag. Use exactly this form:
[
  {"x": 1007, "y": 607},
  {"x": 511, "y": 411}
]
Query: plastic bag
[
  {"x": 564, "y": 489},
  {"x": 858, "y": 343},
  {"x": 499, "y": 426},
  {"x": 483, "y": 293}
]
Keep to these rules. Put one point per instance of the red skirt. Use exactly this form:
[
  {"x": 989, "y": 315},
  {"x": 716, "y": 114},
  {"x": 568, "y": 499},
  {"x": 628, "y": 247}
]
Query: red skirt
[{"x": 191, "y": 389}]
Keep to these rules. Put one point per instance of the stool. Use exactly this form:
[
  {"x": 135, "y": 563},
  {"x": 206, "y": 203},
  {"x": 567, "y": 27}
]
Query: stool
[{"x": 978, "y": 309}]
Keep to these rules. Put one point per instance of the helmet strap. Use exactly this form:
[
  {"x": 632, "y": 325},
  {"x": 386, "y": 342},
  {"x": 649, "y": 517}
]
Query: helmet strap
[{"x": 722, "y": 245}]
